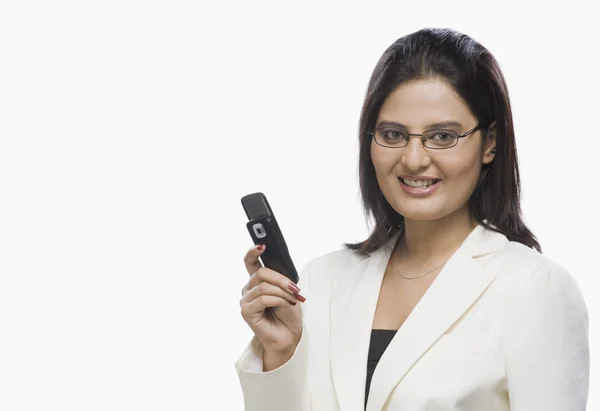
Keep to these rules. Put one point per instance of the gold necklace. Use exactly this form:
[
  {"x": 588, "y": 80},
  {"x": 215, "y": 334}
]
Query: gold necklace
[{"x": 419, "y": 276}]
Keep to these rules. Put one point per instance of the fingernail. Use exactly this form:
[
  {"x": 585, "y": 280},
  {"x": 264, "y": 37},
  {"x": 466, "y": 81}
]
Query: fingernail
[
  {"x": 259, "y": 247},
  {"x": 291, "y": 303},
  {"x": 293, "y": 288},
  {"x": 300, "y": 298}
]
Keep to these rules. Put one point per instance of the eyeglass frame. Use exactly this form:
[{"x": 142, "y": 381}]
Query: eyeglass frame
[{"x": 423, "y": 140}]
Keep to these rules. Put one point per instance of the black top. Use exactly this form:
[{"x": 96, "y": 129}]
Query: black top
[{"x": 380, "y": 339}]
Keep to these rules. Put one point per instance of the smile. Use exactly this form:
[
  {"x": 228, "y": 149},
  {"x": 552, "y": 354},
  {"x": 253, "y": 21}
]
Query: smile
[
  {"x": 419, "y": 188},
  {"x": 419, "y": 183}
]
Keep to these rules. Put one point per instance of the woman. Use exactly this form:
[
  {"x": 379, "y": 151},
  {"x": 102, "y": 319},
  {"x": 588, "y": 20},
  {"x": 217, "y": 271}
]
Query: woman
[{"x": 449, "y": 304}]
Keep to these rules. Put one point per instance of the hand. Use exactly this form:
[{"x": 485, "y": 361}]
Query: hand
[{"x": 270, "y": 307}]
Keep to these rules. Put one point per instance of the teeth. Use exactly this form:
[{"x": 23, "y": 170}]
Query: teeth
[{"x": 418, "y": 183}]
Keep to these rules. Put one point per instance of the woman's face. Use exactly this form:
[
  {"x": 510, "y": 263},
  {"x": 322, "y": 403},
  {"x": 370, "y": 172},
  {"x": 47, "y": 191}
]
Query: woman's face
[{"x": 414, "y": 107}]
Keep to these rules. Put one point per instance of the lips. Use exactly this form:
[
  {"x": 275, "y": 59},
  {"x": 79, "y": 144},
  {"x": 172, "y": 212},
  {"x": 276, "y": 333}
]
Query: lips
[
  {"x": 419, "y": 187},
  {"x": 418, "y": 183}
]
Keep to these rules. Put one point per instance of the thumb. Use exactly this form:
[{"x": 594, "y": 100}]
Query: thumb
[{"x": 251, "y": 258}]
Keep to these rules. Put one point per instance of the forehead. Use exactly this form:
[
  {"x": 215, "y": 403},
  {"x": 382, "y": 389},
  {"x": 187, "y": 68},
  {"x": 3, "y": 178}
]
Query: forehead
[{"x": 420, "y": 102}]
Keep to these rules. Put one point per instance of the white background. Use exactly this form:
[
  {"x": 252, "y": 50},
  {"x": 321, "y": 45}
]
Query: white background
[{"x": 129, "y": 131}]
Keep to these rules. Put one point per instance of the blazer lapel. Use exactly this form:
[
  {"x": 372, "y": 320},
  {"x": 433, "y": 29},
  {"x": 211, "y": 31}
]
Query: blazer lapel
[
  {"x": 457, "y": 287},
  {"x": 352, "y": 311}
]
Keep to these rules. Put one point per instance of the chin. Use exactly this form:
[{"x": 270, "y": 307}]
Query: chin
[
  {"x": 420, "y": 213},
  {"x": 423, "y": 216}
]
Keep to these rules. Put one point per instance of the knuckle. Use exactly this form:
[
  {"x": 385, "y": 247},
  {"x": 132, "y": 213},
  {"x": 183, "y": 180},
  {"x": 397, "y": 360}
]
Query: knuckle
[
  {"x": 243, "y": 302},
  {"x": 263, "y": 288},
  {"x": 260, "y": 274}
]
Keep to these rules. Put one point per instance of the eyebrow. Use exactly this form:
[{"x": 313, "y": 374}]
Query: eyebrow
[{"x": 441, "y": 124}]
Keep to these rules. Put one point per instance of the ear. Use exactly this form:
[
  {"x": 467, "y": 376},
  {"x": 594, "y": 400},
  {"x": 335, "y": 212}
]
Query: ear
[{"x": 489, "y": 145}]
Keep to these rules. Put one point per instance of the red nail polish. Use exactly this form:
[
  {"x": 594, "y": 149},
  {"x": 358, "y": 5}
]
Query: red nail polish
[
  {"x": 291, "y": 303},
  {"x": 260, "y": 247},
  {"x": 300, "y": 298},
  {"x": 293, "y": 288}
]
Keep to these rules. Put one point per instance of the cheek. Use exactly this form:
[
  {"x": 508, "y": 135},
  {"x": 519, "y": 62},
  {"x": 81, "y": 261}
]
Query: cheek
[
  {"x": 382, "y": 160},
  {"x": 465, "y": 169}
]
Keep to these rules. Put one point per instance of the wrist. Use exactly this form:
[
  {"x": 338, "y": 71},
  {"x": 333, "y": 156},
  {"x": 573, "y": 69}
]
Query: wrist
[
  {"x": 272, "y": 361},
  {"x": 275, "y": 359}
]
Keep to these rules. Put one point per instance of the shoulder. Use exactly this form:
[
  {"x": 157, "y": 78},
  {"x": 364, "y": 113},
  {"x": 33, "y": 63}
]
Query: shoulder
[
  {"x": 527, "y": 269},
  {"x": 324, "y": 273},
  {"x": 332, "y": 267},
  {"x": 527, "y": 260},
  {"x": 339, "y": 260}
]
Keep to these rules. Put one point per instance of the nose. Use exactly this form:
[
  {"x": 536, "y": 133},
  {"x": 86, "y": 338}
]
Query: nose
[{"x": 414, "y": 156}]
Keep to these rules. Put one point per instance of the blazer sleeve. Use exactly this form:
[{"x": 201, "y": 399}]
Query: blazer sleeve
[
  {"x": 284, "y": 388},
  {"x": 548, "y": 357}
]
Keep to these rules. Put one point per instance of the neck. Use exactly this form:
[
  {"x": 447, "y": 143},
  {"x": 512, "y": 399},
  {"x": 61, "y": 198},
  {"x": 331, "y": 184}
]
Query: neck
[{"x": 426, "y": 240}]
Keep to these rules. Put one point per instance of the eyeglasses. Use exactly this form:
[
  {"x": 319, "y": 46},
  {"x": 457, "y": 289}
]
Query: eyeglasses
[{"x": 437, "y": 139}]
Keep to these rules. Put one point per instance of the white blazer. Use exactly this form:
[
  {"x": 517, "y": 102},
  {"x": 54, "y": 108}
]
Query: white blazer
[{"x": 502, "y": 327}]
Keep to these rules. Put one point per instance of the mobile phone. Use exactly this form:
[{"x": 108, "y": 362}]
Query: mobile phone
[{"x": 264, "y": 229}]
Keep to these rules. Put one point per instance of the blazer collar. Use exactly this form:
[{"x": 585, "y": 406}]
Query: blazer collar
[{"x": 462, "y": 280}]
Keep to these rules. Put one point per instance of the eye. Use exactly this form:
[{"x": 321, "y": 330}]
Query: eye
[
  {"x": 393, "y": 135},
  {"x": 441, "y": 136}
]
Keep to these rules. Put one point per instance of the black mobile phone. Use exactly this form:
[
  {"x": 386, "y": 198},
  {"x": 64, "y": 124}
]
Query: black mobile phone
[{"x": 264, "y": 229}]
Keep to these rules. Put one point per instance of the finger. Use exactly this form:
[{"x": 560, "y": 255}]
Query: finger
[
  {"x": 258, "y": 305},
  {"x": 251, "y": 259},
  {"x": 265, "y": 288},
  {"x": 265, "y": 274}
]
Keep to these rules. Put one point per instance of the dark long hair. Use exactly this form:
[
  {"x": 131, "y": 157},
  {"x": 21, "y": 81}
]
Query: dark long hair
[{"x": 472, "y": 71}]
